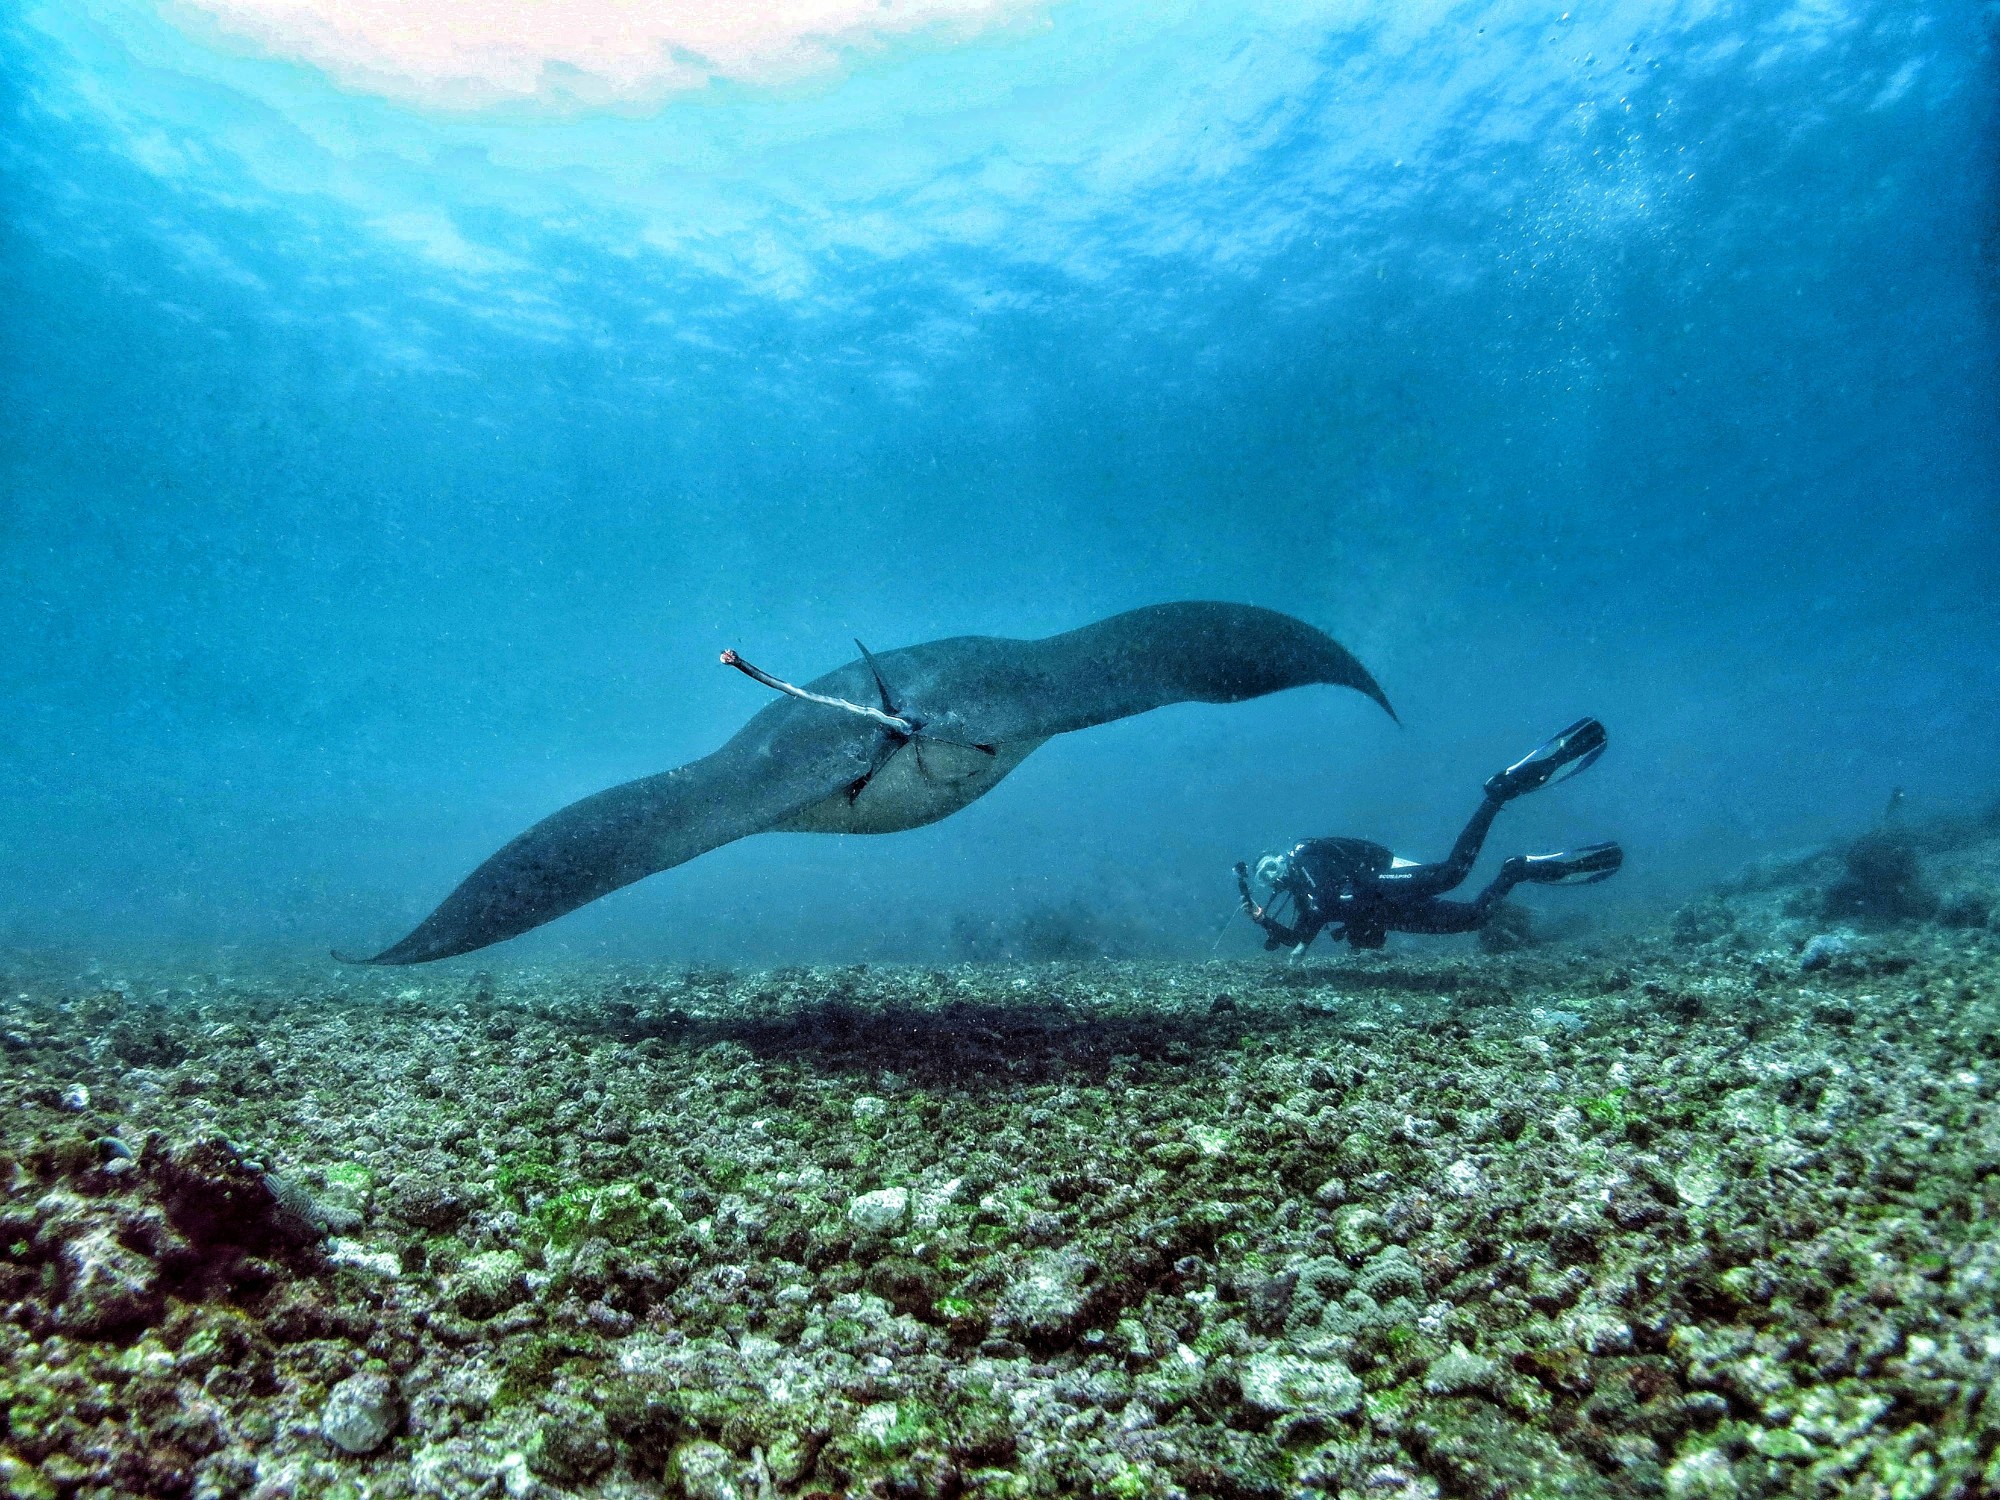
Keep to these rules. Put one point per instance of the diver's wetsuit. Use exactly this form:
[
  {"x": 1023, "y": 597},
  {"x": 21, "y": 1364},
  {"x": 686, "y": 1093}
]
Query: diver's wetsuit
[{"x": 1364, "y": 892}]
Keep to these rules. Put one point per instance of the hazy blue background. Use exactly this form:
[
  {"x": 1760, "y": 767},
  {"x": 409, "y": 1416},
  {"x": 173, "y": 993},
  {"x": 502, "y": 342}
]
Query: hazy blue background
[{"x": 375, "y": 478}]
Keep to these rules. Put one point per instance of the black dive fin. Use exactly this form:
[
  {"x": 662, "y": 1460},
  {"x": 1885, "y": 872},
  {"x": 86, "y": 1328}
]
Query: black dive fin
[
  {"x": 1585, "y": 866},
  {"x": 1575, "y": 749}
]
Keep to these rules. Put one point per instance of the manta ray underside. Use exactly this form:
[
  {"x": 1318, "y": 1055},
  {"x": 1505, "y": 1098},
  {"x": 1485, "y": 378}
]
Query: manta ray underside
[{"x": 955, "y": 717}]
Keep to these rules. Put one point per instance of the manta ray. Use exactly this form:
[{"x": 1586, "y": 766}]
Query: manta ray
[{"x": 890, "y": 741}]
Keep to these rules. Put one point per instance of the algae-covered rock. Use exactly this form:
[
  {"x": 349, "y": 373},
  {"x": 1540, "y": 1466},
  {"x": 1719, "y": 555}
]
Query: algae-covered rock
[
  {"x": 226, "y": 1474},
  {"x": 1510, "y": 928},
  {"x": 570, "y": 1444},
  {"x": 1276, "y": 1384},
  {"x": 106, "y": 1286},
  {"x": 1390, "y": 1274},
  {"x": 430, "y": 1204},
  {"x": 21, "y": 1480},
  {"x": 489, "y": 1283},
  {"x": 217, "y": 1197},
  {"x": 880, "y": 1212},
  {"x": 360, "y": 1413},
  {"x": 889, "y": 1427},
  {"x": 705, "y": 1471},
  {"x": 1322, "y": 1281},
  {"x": 347, "y": 1185},
  {"x": 1460, "y": 1372},
  {"x": 1174, "y": 1381},
  {"x": 1268, "y": 1300},
  {"x": 907, "y": 1285},
  {"x": 1359, "y": 1232},
  {"x": 620, "y": 1213},
  {"x": 1046, "y": 1298},
  {"x": 1883, "y": 881},
  {"x": 1703, "y": 1474}
]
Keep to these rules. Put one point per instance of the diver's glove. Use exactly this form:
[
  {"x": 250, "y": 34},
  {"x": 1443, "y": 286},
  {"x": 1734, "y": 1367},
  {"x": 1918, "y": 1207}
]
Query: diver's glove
[{"x": 1565, "y": 755}]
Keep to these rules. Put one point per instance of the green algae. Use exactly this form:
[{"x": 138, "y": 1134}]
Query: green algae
[
  {"x": 350, "y": 1175},
  {"x": 533, "y": 1366},
  {"x": 21, "y": 1480},
  {"x": 620, "y": 1212}
]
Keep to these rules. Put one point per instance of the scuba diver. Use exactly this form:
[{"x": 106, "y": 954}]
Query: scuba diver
[{"x": 1364, "y": 892}]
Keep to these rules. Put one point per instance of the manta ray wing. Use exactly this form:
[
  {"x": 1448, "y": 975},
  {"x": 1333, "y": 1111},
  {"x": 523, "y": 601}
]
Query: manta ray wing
[
  {"x": 593, "y": 847},
  {"x": 1146, "y": 659},
  {"x": 984, "y": 703}
]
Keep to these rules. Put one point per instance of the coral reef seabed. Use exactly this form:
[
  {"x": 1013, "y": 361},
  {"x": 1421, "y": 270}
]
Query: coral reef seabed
[{"x": 1709, "y": 1212}]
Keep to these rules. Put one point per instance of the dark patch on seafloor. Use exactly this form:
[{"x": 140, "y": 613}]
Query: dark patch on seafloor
[{"x": 1706, "y": 1213}]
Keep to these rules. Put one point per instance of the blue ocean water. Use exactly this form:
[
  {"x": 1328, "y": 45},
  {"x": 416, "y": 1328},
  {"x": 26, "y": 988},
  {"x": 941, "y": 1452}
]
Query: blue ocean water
[{"x": 386, "y": 459}]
